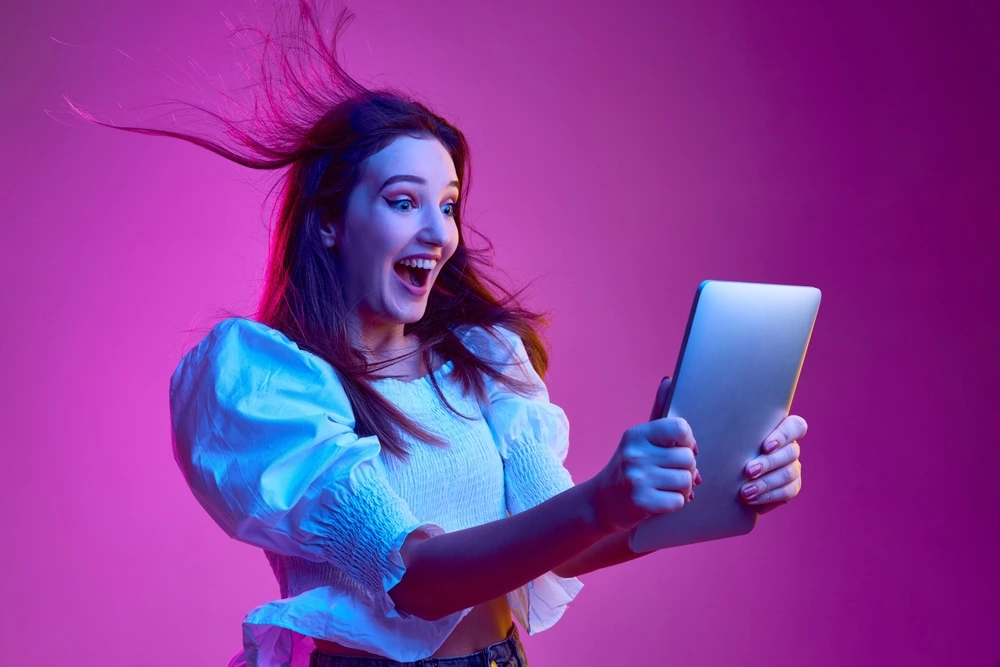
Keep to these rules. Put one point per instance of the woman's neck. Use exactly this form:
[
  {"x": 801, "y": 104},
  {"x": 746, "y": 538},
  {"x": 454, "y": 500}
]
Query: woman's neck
[{"x": 382, "y": 342}]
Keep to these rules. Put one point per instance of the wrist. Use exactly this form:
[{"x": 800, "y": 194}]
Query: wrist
[{"x": 597, "y": 520}]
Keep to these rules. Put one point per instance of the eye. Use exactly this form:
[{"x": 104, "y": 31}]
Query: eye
[
  {"x": 406, "y": 204},
  {"x": 402, "y": 205}
]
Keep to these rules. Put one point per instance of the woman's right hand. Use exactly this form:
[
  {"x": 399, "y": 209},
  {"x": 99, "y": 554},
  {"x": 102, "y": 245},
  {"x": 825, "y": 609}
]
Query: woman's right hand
[{"x": 653, "y": 471}]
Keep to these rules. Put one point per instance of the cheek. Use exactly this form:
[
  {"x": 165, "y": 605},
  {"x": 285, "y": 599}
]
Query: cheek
[
  {"x": 453, "y": 242},
  {"x": 375, "y": 244}
]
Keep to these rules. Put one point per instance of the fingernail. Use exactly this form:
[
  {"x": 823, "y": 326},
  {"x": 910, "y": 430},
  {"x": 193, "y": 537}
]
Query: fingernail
[
  {"x": 755, "y": 469},
  {"x": 697, "y": 478},
  {"x": 750, "y": 492},
  {"x": 771, "y": 446},
  {"x": 695, "y": 448}
]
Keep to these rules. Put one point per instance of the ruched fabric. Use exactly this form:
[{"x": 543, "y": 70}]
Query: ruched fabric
[
  {"x": 263, "y": 433},
  {"x": 532, "y": 436}
]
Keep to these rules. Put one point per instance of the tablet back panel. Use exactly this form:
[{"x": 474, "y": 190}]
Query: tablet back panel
[{"x": 734, "y": 381}]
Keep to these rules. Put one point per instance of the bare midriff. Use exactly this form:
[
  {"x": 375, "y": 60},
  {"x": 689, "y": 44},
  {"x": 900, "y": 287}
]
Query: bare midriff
[{"x": 486, "y": 624}]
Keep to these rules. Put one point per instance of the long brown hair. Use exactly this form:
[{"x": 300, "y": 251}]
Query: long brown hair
[{"x": 313, "y": 118}]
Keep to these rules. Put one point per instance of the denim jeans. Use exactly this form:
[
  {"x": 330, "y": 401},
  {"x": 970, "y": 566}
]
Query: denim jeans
[{"x": 508, "y": 653}]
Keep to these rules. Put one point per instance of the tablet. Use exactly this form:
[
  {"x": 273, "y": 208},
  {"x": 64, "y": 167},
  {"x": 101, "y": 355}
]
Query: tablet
[{"x": 735, "y": 377}]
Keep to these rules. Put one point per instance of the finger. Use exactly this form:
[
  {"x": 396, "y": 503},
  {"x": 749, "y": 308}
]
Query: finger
[
  {"x": 780, "y": 478},
  {"x": 673, "y": 457},
  {"x": 672, "y": 479},
  {"x": 762, "y": 465},
  {"x": 659, "y": 502},
  {"x": 661, "y": 399},
  {"x": 791, "y": 428},
  {"x": 780, "y": 495},
  {"x": 672, "y": 432}
]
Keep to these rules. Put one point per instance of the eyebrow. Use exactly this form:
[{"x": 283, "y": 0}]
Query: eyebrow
[{"x": 411, "y": 178}]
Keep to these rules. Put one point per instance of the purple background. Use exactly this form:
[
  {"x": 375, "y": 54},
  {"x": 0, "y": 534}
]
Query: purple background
[{"x": 622, "y": 154}]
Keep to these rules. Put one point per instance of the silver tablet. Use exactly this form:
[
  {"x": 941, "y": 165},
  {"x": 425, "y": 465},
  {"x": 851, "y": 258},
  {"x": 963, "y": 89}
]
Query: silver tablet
[{"x": 734, "y": 381}]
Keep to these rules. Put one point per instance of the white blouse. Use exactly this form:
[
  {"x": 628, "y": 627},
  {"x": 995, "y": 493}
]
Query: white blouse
[{"x": 263, "y": 434}]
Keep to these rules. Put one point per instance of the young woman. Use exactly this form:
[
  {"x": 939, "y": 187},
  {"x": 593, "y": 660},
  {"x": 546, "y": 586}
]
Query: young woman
[{"x": 380, "y": 426}]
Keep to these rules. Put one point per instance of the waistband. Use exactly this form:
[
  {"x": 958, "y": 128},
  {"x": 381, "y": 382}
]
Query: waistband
[{"x": 506, "y": 653}]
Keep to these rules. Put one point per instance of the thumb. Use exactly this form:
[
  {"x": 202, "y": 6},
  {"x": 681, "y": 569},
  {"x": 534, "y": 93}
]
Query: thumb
[{"x": 661, "y": 399}]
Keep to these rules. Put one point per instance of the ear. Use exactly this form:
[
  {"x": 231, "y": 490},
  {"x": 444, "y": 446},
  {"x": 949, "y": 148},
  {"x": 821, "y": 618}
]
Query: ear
[{"x": 328, "y": 233}]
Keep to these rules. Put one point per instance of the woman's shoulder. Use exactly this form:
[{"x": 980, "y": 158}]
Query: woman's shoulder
[
  {"x": 239, "y": 349},
  {"x": 233, "y": 339},
  {"x": 492, "y": 342},
  {"x": 248, "y": 338},
  {"x": 236, "y": 330}
]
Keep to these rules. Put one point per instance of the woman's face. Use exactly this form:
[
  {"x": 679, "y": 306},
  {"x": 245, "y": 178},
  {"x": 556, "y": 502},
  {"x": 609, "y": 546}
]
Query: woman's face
[{"x": 398, "y": 231}]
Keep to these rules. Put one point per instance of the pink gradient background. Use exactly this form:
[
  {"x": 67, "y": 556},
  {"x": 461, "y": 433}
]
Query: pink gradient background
[{"x": 622, "y": 153}]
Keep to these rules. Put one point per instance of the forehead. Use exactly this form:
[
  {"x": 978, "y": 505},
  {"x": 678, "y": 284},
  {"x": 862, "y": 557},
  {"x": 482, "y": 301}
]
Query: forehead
[{"x": 425, "y": 157}]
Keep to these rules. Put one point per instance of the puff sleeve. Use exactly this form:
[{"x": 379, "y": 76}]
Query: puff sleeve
[
  {"x": 531, "y": 433},
  {"x": 263, "y": 434},
  {"x": 532, "y": 436}
]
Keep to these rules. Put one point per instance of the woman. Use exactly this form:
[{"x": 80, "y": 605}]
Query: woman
[{"x": 380, "y": 427}]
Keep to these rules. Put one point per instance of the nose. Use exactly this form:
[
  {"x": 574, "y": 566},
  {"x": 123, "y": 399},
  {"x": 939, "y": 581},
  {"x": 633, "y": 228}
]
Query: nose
[{"x": 435, "y": 230}]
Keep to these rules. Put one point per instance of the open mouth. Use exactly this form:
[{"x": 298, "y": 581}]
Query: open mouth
[{"x": 415, "y": 275}]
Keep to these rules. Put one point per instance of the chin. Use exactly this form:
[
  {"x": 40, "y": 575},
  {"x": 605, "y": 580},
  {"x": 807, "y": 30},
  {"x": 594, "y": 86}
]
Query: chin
[
  {"x": 415, "y": 316},
  {"x": 410, "y": 315}
]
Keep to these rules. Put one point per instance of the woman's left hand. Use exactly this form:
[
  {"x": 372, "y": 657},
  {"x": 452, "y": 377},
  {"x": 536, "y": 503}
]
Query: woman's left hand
[{"x": 775, "y": 477}]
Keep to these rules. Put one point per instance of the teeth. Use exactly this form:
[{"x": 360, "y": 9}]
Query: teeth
[{"x": 420, "y": 263}]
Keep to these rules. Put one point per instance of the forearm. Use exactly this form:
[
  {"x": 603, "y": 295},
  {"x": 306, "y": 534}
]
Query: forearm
[
  {"x": 456, "y": 570},
  {"x": 608, "y": 551}
]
